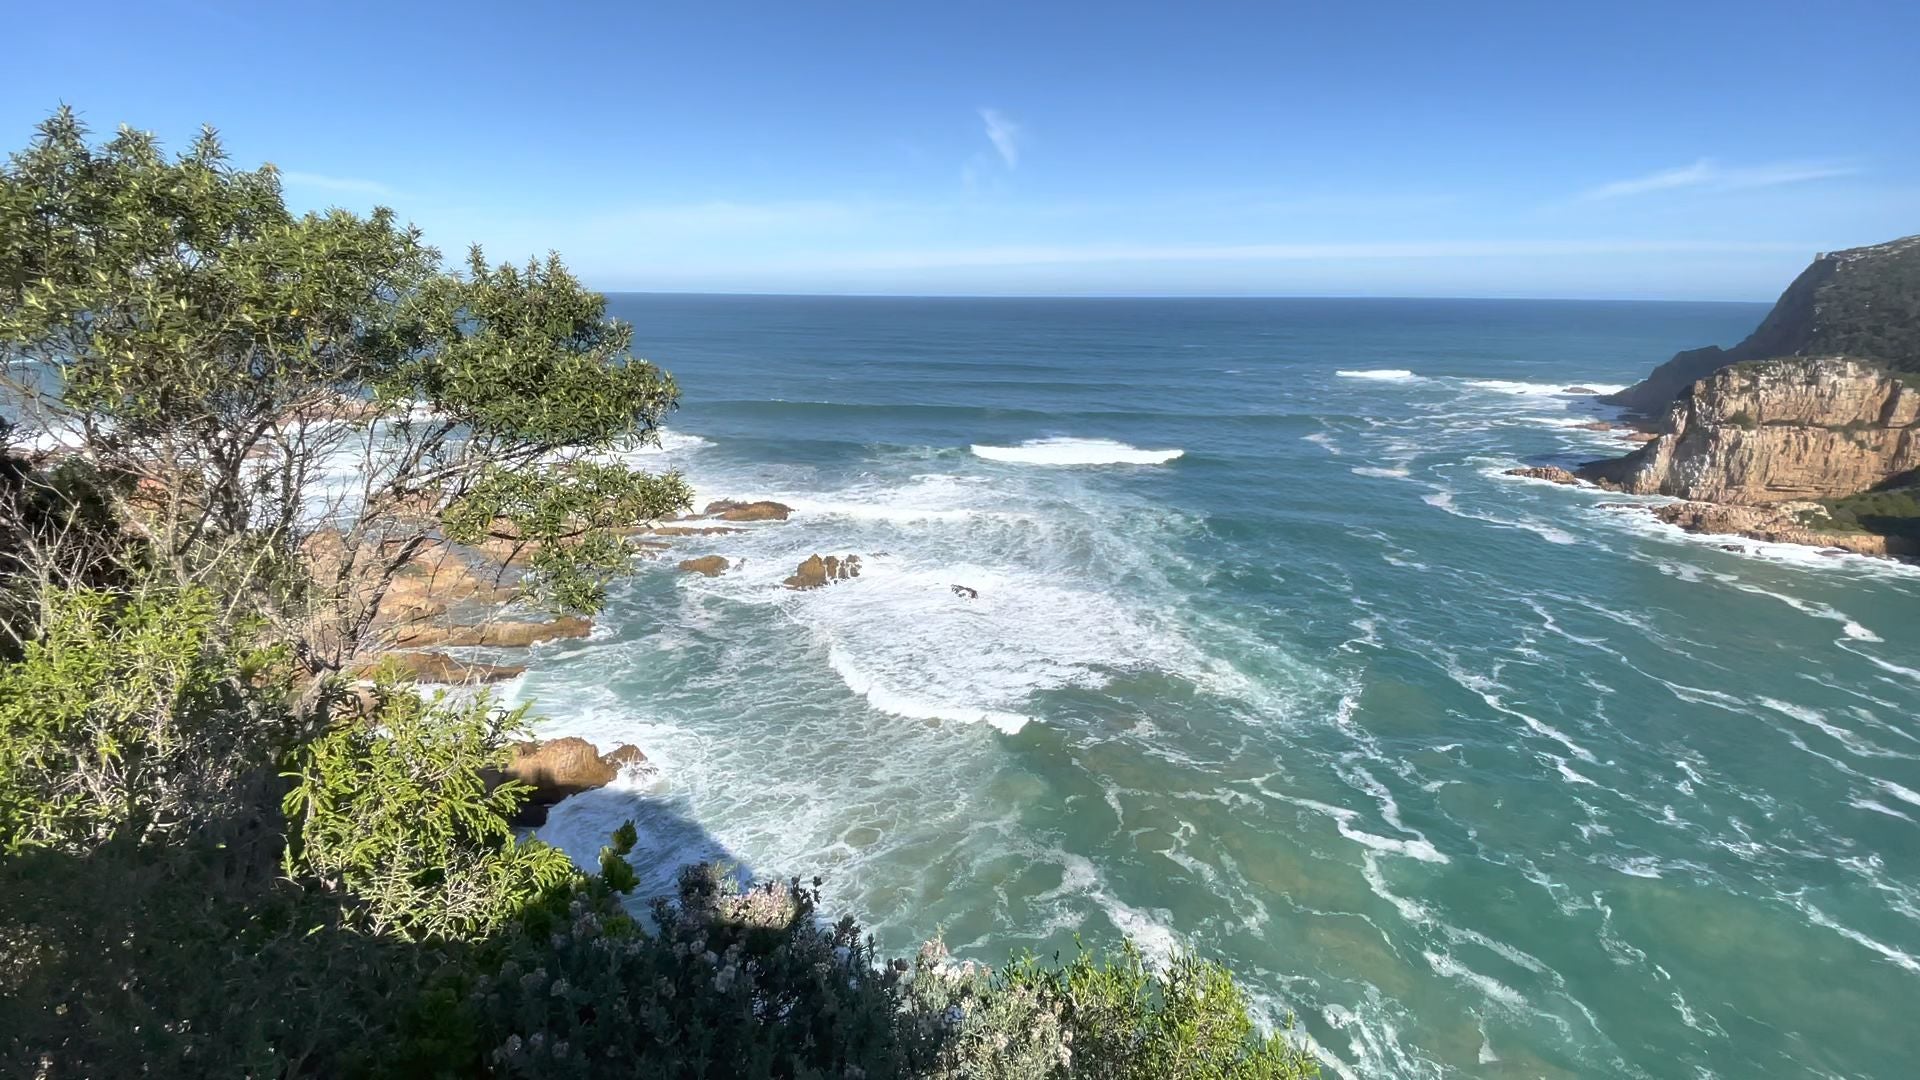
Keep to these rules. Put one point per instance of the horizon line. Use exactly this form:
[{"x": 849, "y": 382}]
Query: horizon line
[{"x": 773, "y": 294}]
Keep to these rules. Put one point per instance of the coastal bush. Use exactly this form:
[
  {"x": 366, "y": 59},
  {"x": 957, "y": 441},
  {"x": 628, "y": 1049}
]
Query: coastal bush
[
  {"x": 394, "y": 806},
  {"x": 127, "y": 715},
  {"x": 169, "y": 322},
  {"x": 217, "y": 858},
  {"x": 1885, "y": 512}
]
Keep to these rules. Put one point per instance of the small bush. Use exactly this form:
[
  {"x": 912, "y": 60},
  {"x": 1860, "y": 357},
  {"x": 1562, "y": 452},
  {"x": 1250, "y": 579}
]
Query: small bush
[
  {"x": 128, "y": 713},
  {"x": 396, "y": 807}
]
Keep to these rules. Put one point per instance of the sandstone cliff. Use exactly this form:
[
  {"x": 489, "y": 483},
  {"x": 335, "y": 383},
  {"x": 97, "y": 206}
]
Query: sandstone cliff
[
  {"x": 1862, "y": 302},
  {"x": 1777, "y": 431}
]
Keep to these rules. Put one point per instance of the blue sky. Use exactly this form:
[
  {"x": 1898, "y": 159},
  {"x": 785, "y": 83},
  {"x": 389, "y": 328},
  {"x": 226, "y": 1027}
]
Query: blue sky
[{"x": 1673, "y": 150}]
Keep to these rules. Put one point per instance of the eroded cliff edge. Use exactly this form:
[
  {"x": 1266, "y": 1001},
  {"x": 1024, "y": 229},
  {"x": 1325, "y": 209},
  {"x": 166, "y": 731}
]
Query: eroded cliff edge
[
  {"x": 1804, "y": 428},
  {"x": 1809, "y": 430},
  {"x": 1862, "y": 302}
]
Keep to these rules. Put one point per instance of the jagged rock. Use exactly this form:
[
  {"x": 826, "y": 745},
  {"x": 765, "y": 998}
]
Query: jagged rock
[
  {"x": 1587, "y": 390},
  {"x": 967, "y": 591},
  {"x": 626, "y": 755},
  {"x": 710, "y": 565},
  {"x": 1596, "y": 425},
  {"x": 1553, "y": 474},
  {"x": 818, "y": 571},
  {"x": 561, "y": 767},
  {"x": 1796, "y": 428},
  {"x": 729, "y": 510},
  {"x": 433, "y": 667},
  {"x": 506, "y": 635}
]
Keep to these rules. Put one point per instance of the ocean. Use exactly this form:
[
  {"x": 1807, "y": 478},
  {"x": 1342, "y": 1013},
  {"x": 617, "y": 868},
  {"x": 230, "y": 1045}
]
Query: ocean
[{"x": 1474, "y": 776}]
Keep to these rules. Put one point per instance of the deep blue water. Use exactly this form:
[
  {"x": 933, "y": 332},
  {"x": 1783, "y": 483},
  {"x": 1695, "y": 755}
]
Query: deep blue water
[{"x": 1474, "y": 775}]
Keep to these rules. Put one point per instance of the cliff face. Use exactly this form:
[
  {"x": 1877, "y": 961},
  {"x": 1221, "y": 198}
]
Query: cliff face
[
  {"x": 1862, "y": 302},
  {"x": 1782, "y": 430}
]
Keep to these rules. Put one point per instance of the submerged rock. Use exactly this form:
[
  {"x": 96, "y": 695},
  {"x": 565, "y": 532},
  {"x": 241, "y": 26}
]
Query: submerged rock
[
  {"x": 1553, "y": 474},
  {"x": 967, "y": 591},
  {"x": 818, "y": 571},
  {"x": 729, "y": 510},
  {"x": 710, "y": 565},
  {"x": 1587, "y": 390}
]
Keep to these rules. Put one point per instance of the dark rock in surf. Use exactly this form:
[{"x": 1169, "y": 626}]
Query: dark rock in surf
[{"x": 818, "y": 571}]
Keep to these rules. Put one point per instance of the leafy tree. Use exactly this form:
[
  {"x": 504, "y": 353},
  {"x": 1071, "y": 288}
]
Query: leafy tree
[{"x": 284, "y": 408}]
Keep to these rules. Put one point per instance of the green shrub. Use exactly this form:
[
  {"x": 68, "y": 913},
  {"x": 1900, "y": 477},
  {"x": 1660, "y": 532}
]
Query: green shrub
[
  {"x": 395, "y": 808},
  {"x": 1109, "y": 1016},
  {"x": 128, "y": 713}
]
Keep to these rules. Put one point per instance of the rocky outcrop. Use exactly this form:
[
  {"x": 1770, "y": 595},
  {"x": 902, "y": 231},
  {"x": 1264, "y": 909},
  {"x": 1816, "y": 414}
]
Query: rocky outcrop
[
  {"x": 558, "y": 768},
  {"x": 1782, "y": 430},
  {"x": 728, "y": 510},
  {"x": 1782, "y": 523},
  {"x": 1862, "y": 302},
  {"x": 1552, "y": 474},
  {"x": 818, "y": 571},
  {"x": 710, "y": 565},
  {"x": 503, "y": 635},
  {"x": 433, "y": 667}
]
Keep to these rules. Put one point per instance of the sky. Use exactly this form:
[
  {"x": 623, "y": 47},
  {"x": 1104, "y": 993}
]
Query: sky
[{"x": 1679, "y": 150}]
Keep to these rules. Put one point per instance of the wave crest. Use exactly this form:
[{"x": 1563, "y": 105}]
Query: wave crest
[{"x": 1069, "y": 451}]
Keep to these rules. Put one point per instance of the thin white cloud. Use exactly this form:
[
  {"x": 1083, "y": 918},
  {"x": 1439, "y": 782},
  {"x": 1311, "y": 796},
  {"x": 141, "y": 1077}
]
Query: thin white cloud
[
  {"x": 1004, "y": 134},
  {"x": 1089, "y": 254},
  {"x": 347, "y": 184},
  {"x": 1708, "y": 175}
]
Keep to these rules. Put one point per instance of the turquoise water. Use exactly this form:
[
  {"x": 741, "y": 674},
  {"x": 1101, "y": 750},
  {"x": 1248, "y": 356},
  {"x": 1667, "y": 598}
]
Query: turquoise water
[{"x": 1475, "y": 775}]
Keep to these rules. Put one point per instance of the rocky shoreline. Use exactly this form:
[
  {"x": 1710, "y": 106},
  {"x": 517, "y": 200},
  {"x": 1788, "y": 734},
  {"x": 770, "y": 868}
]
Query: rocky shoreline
[
  {"x": 462, "y": 597},
  {"x": 1807, "y": 432}
]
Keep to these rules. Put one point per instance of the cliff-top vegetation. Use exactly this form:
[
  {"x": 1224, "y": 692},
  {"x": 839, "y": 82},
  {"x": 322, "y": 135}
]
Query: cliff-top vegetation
[{"x": 229, "y": 430}]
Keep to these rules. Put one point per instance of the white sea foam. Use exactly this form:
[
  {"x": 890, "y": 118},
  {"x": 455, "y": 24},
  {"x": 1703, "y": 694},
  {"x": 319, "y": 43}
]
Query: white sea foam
[
  {"x": 900, "y": 637},
  {"x": 1444, "y": 500},
  {"x": 1152, "y": 930},
  {"x": 670, "y": 442},
  {"x": 1388, "y": 474},
  {"x": 1343, "y": 820},
  {"x": 1536, "y": 389},
  {"x": 1820, "y": 918},
  {"x": 887, "y": 699},
  {"x": 1494, "y": 989},
  {"x": 1381, "y": 375},
  {"x": 1069, "y": 451}
]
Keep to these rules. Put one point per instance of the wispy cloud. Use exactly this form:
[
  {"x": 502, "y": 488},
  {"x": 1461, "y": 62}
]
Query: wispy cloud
[
  {"x": 1709, "y": 175},
  {"x": 346, "y": 184},
  {"x": 1081, "y": 254},
  {"x": 1004, "y": 134}
]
